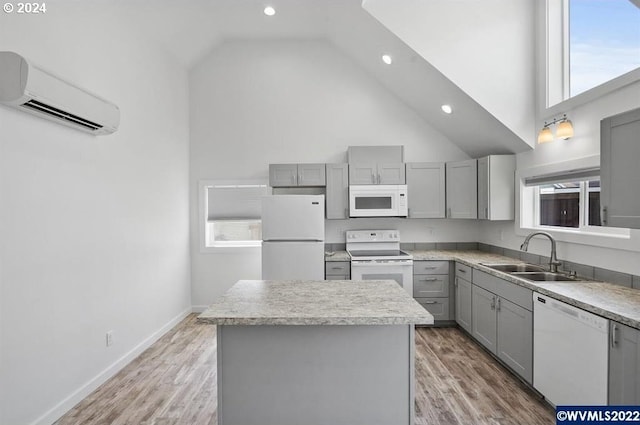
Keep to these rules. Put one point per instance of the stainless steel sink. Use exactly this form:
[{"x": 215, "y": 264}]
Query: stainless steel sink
[
  {"x": 511, "y": 268},
  {"x": 543, "y": 276}
]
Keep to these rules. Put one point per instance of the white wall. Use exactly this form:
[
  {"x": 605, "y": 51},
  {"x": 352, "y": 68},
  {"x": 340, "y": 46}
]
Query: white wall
[
  {"x": 94, "y": 230},
  {"x": 258, "y": 102},
  {"x": 485, "y": 47}
]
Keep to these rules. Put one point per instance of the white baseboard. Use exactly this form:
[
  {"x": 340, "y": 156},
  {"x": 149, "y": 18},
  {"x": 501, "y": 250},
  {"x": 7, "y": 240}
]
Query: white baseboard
[
  {"x": 199, "y": 308},
  {"x": 74, "y": 398}
]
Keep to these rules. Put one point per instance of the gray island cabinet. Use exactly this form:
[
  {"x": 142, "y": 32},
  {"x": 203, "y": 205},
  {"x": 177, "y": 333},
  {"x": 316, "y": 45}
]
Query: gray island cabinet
[{"x": 315, "y": 352}]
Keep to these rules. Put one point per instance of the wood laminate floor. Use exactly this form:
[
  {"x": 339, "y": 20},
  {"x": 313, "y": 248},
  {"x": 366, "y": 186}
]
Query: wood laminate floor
[{"x": 173, "y": 383}]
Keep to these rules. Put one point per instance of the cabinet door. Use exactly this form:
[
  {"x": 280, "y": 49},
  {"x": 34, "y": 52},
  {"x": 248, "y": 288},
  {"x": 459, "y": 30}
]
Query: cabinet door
[
  {"x": 619, "y": 172},
  {"x": 438, "y": 307},
  {"x": 337, "y": 192},
  {"x": 425, "y": 189},
  {"x": 483, "y": 308},
  {"x": 463, "y": 304},
  {"x": 311, "y": 175},
  {"x": 515, "y": 338},
  {"x": 462, "y": 189},
  {"x": 283, "y": 175},
  {"x": 391, "y": 173},
  {"x": 624, "y": 365},
  {"x": 363, "y": 173},
  {"x": 483, "y": 188}
]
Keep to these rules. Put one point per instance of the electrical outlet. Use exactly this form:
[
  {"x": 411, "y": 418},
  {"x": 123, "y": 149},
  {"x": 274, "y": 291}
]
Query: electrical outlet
[{"x": 109, "y": 339}]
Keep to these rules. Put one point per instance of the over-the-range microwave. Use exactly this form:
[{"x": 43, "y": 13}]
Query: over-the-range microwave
[{"x": 383, "y": 200}]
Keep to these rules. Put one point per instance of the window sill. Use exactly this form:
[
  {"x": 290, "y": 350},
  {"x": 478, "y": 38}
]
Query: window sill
[
  {"x": 614, "y": 238},
  {"x": 231, "y": 248}
]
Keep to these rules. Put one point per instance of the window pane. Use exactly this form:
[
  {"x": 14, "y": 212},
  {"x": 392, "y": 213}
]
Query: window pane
[
  {"x": 560, "y": 204},
  {"x": 604, "y": 41},
  {"x": 594, "y": 203},
  {"x": 241, "y": 230}
]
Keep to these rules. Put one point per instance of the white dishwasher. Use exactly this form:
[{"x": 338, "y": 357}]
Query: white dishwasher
[{"x": 570, "y": 353}]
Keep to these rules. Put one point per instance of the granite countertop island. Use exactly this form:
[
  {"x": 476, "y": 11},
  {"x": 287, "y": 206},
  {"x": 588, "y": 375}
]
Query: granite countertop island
[
  {"x": 316, "y": 352},
  {"x": 338, "y": 302}
]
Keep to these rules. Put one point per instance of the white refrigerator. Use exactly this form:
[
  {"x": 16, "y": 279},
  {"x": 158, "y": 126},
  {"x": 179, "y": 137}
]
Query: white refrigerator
[{"x": 293, "y": 237}]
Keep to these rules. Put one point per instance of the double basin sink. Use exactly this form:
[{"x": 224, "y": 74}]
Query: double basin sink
[{"x": 531, "y": 272}]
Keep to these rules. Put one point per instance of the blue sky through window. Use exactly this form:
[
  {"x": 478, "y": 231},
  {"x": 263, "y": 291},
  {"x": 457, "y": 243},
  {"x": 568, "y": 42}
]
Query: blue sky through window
[{"x": 604, "y": 41}]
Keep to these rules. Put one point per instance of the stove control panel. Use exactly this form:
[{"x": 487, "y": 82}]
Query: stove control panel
[{"x": 373, "y": 236}]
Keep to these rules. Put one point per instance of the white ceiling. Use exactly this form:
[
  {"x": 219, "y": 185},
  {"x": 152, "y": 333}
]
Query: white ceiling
[{"x": 190, "y": 30}]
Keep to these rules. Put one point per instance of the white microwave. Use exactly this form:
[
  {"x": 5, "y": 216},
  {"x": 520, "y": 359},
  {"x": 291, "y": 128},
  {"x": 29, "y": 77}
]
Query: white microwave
[{"x": 383, "y": 200}]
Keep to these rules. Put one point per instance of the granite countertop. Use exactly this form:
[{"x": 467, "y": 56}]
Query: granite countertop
[
  {"x": 296, "y": 302},
  {"x": 337, "y": 256},
  {"x": 608, "y": 300}
]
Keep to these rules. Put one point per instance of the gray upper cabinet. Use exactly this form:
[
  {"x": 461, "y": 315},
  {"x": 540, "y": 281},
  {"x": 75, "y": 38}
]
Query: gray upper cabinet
[
  {"x": 624, "y": 365},
  {"x": 425, "y": 189},
  {"x": 288, "y": 175},
  {"x": 337, "y": 193},
  {"x": 462, "y": 189},
  {"x": 376, "y": 173},
  {"x": 619, "y": 171},
  {"x": 496, "y": 187}
]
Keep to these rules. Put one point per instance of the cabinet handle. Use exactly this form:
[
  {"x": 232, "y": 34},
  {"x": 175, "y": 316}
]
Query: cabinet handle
[
  {"x": 430, "y": 302},
  {"x": 486, "y": 212},
  {"x": 493, "y": 303},
  {"x": 430, "y": 268},
  {"x": 430, "y": 279},
  {"x": 299, "y": 178},
  {"x": 408, "y": 212},
  {"x": 373, "y": 178},
  {"x": 293, "y": 178},
  {"x": 336, "y": 268},
  {"x": 604, "y": 216},
  {"x": 449, "y": 212},
  {"x": 346, "y": 212},
  {"x": 498, "y": 305},
  {"x": 379, "y": 178},
  {"x": 462, "y": 270},
  {"x": 614, "y": 335},
  {"x": 455, "y": 283}
]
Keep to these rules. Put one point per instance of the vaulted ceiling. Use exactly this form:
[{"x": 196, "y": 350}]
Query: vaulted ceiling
[{"x": 190, "y": 30}]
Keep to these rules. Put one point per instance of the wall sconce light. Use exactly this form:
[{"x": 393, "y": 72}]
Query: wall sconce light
[{"x": 564, "y": 130}]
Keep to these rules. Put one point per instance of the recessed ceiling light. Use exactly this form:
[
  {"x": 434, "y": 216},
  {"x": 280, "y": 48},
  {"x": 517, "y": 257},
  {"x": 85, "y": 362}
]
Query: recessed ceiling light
[
  {"x": 446, "y": 109},
  {"x": 269, "y": 11},
  {"x": 387, "y": 59}
]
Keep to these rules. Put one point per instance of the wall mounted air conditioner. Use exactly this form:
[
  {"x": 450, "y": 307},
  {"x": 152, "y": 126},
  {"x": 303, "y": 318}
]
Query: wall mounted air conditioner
[{"x": 29, "y": 88}]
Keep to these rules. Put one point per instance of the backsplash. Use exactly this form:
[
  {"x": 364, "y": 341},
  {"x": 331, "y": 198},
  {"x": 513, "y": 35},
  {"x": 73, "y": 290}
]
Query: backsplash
[{"x": 582, "y": 270}]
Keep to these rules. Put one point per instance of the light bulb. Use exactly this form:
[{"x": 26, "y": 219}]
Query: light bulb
[
  {"x": 564, "y": 130},
  {"x": 447, "y": 109},
  {"x": 269, "y": 11},
  {"x": 545, "y": 135},
  {"x": 387, "y": 59}
]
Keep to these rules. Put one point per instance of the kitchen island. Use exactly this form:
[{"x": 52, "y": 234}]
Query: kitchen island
[{"x": 315, "y": 352}]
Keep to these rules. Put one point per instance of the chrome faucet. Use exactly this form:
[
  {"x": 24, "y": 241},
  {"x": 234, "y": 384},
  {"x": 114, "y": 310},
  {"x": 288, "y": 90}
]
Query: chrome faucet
[{"x": 553, "y": 263}]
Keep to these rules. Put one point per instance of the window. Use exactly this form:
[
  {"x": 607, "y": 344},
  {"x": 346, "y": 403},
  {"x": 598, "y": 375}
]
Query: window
[
  {"x": 604, "y": 41},
  {"x": 591, "y": 43},
  {"x": 569, "y": 200},
  {"x": 574, "y": 204},
  {"x": 231, "y": 213}
]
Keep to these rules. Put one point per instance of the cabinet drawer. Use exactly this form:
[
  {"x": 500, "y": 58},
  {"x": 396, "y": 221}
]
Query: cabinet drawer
[
  {"x": 463, "y": 271},
  {"x": 337, "y": 268},
  {"x": 431, "y": 286},
  {"x": 430, "y": 267},
  {"x": 438, "y": 307},
  {"x": 504, "y": 289}
]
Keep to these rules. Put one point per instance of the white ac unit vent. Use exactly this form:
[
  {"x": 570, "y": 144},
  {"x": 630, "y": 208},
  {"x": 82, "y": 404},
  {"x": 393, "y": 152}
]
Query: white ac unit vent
[{"x": 27, "y": 87}]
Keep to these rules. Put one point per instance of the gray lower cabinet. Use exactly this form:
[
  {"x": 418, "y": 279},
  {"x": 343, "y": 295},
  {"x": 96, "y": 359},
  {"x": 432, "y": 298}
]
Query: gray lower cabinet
[
  {"x": 503, "y": 321},
  {"x": 337, "y": 270},
  {"x": 463, "y": 297},
  {"x": 337, "y": 191},
  {"x": 432, "y": 289},
  {"x": 624, "y": 365},
  {"x": 485, "y": 326}
]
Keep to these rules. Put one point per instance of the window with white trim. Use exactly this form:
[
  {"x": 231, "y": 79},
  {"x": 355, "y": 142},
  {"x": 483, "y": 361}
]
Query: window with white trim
[
  {"x": 569, "y": 200},
  {"x": 232, "y": 216},
  {"x": 589, "y": 43}
]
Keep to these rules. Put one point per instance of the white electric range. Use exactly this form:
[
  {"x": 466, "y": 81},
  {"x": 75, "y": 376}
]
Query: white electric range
[{"x": 376, "y": 254}]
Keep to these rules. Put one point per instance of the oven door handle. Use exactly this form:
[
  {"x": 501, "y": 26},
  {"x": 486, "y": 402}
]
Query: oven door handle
[{"x": 381, "y": 264}]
